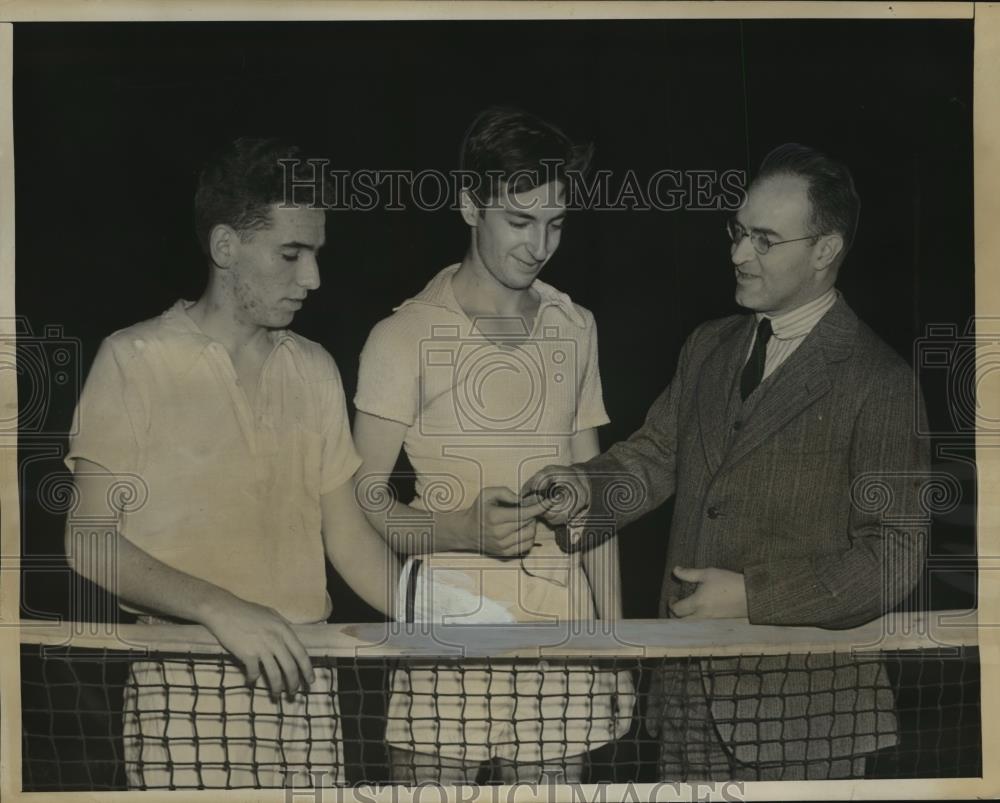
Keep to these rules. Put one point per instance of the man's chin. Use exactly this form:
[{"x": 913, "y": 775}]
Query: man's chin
[
  {"x": 522, "y": 282},
  {"x": 747, "y": 301},
  {"x": 280, "y": 320}
]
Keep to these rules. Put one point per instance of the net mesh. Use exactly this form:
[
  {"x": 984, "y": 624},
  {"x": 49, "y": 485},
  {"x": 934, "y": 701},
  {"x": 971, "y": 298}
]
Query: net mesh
[{"x": 164, "y": 707}]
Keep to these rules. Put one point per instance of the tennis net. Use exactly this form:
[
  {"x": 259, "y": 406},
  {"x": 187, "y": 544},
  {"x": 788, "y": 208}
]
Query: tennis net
[{"x": 163, "y": 706}]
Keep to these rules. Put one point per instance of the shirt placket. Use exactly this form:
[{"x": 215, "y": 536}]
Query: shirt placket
[
  {"x": 536, "y": 326},
  {"x": 256, "y": 428},
  {"x": 267, "y": 442}
]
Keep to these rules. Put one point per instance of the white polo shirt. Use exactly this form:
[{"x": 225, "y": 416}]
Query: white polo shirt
[
  {"x": 486, "y": 404},
  {"x": 232, "y": 491}
]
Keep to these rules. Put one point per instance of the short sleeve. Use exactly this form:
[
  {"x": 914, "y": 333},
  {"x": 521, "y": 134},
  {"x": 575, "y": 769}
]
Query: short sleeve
[
  {"x": 388, "y": 374},
  {"x": 107, "y": 422},
  {"x": 340, "y": 458},
  {"x": 590, "y": 405}
]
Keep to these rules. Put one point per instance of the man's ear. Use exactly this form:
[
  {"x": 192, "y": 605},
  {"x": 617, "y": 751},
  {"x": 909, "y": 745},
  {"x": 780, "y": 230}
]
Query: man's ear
[
  {"x": 469, "y": 208},
  {"x": 223, "y": 242},
  {"x": 829, "y": 247}
]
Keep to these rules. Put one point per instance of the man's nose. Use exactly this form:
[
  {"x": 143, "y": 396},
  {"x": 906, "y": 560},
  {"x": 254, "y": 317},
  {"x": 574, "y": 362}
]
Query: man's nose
[
  {"x": 308, "y": 273},
  {"x": 742, "y": 251},
  {"x": 538, "y": 244}
]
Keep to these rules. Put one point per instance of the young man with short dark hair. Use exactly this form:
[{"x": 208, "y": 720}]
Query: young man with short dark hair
[
  {"x": 483, "y": 377},
  {"x": 238, "y": 429}
]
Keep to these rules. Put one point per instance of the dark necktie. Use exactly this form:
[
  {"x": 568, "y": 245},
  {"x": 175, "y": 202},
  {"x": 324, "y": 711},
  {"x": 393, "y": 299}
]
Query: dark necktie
[{"x": 753, "y": 371}]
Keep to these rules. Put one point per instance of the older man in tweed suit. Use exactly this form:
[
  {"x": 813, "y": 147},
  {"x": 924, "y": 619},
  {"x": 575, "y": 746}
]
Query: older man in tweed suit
[{"x": 773, "y": 424}]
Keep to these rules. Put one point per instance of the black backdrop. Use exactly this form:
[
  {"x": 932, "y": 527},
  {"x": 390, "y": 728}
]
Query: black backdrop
[{"x": 111, "y": 121}]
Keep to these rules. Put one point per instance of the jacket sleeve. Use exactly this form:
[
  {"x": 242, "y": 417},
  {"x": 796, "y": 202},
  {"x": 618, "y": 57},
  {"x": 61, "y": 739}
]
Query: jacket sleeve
[
  {"x": 637, "y": 475},
  {"x": 889, "y": 467}
]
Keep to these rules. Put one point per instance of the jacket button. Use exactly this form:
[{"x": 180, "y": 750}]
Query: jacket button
[
  {"x": 737, "y": 425},
  {"x": 713, "y": 512}
]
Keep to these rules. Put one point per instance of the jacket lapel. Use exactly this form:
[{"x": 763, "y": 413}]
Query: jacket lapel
[
  {"x": 715, "y": 384},
  {"x": 799, "y": 382}
]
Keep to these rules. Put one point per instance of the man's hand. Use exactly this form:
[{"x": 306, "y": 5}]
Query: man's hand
[
  {"x": 500, "y": 523},
  {"x": 262, "y": 640},
  {"x": 566, "y": 489},
  {"x": 721, "y": 594}
]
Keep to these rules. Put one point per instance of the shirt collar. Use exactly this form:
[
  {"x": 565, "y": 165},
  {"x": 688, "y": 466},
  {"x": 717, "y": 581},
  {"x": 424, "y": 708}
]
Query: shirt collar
[
  {"x": 439, "y": 293},
  {"x": 800, "y": 321},
  {"x": 179, "y": 323}
]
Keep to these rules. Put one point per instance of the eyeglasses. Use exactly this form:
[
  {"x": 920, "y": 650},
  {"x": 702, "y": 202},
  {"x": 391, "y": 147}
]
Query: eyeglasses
[{"x": 761, "y": 244}]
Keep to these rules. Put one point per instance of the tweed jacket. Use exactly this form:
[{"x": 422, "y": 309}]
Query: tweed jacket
[{"x": 784, "y": 497}]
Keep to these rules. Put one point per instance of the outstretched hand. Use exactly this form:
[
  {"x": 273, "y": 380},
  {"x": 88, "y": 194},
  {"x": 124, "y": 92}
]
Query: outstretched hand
[
  {"x": 566, "y": 490},
  {"x": 721, "y": 594}
]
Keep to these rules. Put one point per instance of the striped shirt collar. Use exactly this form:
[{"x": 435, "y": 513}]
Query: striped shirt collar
[
  {"x": 439, "y": 293},
  {"x": 800, "y": 321}
]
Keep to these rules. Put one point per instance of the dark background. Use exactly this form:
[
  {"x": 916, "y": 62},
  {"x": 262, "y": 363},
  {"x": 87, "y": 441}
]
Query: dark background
[{"x": 113, "y": 120}]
